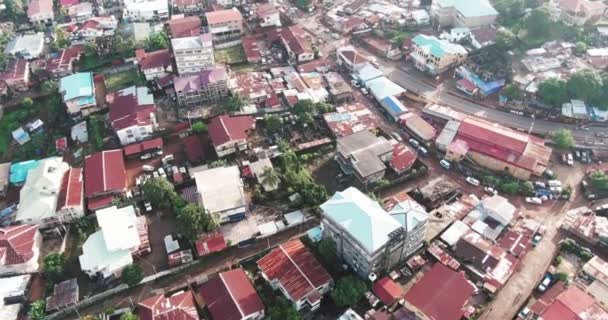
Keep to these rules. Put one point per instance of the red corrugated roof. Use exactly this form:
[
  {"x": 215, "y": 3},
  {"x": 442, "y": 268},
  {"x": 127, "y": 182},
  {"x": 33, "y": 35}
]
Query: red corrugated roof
[
  {"x": 576, "y": 300},
  {"x": 104, "y": 172},
  {"x": 180, "y": 306},
  {"x": 441, "y": 293},
  {"x": 516, "y": 243},
  {"x": 210, "y": 243},
  {"x": 125, "y": 111},
  {"x": 230, "y": 296},
  {"x": 403, "y": 158},
  {"x": 558, "y": 311},
  {"x": 185, "y": 27},
  {"x": 71, "y": 189},
  {"x": 387, "y": 290},
  {"x": 492, "y": 135},
  {"x": 224, "y": 129},
  {"x": 17, "y": 243},
  {"x": 295, "y": 268},
  {"x": 155, "y": 59},
  {"x": 223, "y": 16},
  {"x": 252, "y": 51},
  {"x": 294, "y": 39},
  {"x": 135, "y": 148}
]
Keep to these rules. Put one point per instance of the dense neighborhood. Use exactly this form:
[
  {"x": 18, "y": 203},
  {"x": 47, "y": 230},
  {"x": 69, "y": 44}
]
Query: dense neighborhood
[{"x": 305, "y": 159}]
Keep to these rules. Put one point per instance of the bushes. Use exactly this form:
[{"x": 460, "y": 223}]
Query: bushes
[{"x": 571, "y": 246}]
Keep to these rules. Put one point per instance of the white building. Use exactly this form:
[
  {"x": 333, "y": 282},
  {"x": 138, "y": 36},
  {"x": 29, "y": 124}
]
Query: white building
[
  {"x": 576, "y": 12},
  {"x": 193, "y": 54},
  {"x": 226, "y": 26},
  {"x": 27, "y": 46},
  {"x": 145, "y": 9},
  {"x": 222, "y": 192},
  {"x": 434, "y": 56},
  {"x": 268, "y": 15},
  {"x": 463, "y": 13},
  {"x": 52, "y": 194},
  {"x": 106, "y": 252},
  {"x": 132, "y": 114}
]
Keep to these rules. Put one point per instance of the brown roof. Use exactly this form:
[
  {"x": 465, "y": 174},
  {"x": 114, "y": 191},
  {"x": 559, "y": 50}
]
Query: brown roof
[
  {"x": 154, "y": 59},
  {"x": 222, "y": 16},
  {"x": 185, "y": 27}
]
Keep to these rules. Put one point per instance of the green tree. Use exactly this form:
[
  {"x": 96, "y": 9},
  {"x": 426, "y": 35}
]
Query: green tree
[
  {"x": 37, "y": 310},
  {"x": 505, "y": 39},
  {"x": 273, "y": 123},
  {"x": 157, "y": 41},
  {"x": 348, "y": 291},
  {"x": 50, "y": 87},
  {"x": 509, "y": 187},
  {"x": 327, "y": 251},
  {"x": 193, "y": 219},
  {"x": 585, "y": 85},
  {"x": 281, "y": 309},
  {"x": 270, "y": 177},
  {"x": 218, "y": 163},
  {"x": 313, "y": 194},
  {"x": 562, "y": 276},
  {"x": 128, "y": 316},
  {"x": 161, "y": 194},
  {"x": 304, "y": 111},
  {"x": 199, "y": 127},
  {"x": 54, "y": 266},
  {"x": 122, "y": 46},
  {"x": 580, "y": 48},
  {"x": 599, "y": 180},
  {"x": 563, "y": 139},
  {"x": 61, "y": 39},
  {"x": 526, "y": 188},
  {"x": 132, "y": 275},
  {"x": 553, "y": 92},
  {"x": 13, "y": 9},
  {"x": 538, "y": 24},
  {"x": 234, "y": 103},
  {"x": 512, "y": 92},
  {"x": 27, "y": 103}
]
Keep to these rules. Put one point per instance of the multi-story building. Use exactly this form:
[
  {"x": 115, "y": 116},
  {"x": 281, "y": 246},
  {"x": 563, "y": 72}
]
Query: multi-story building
[
  {"x": 78, "y": 92},
  {"x": 267, "y": 15},
  {"x": 463, "y": 13},
  {"x": 132, "y": 114},
  {"x": 368, "y": 238},
  {"x": 226, "y": 27},
  {"x": 17, "y": 76},
  {"x": 208, "y": 85},
  {"x": 230, "y": 134},
  {"x": 154, "y": 65},
  {"x": 364, "y": 155},
  {"x": 434, "y": 56},
  {"x": 189, "y": 6},
  {"x": 298, "y": 48},
  {"x": 576, "y": 12},
  {"x": 144, "y": 10},
  {"x": 193, "y": 54},
  {"x": 40, "y": 11}
]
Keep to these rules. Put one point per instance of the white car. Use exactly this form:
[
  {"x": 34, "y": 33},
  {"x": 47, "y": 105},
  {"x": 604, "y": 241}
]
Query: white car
[
  {"x": 472, "y": 181},
  {"x": 414, "y": 143},
  {"x": 148, "y": 206},
  {"x": 335, "y": 36},
  {"x": 355, "y": 83},
  {"x": 445, "y": 164},
  {"x": 162, "y": 172},
  {"x": 147, "y": 168},
  {"x": 490, "y": 190},
  {"x": 570, "y": 159},
  {"x": 534, "y": 200},
  {"x": 364, "y": 91}
]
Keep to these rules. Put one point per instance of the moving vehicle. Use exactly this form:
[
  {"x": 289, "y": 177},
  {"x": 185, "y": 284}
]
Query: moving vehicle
[
  {"x": 445, "y": 164},
  {"x": 534, "y": 200},
  {"x": 472, "y": 181},
  {"x": 423, "y": 150}
]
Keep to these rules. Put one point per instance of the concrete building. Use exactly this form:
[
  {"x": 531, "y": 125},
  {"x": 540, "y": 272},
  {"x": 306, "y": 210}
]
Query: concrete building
[
  {"x": 221, "y": 191},
  {"x": 132, "y": 114},
  {"x": 267, "y": 15},
  {"x": 207, "y": 85},
  {"x": 434, "y": 56},
  {"x": 40, "y": 11},
  {"x": 368, "y": 238},
  {"x": 364, "y": 155},
  {"x": 230, "y": 134},
  {"x": 144, "y": 10},
  {"x": 193, "y": 54},
  {"x": 78, "y": 92},
  {"x": 27, "y": 46},
  {"x": 154, "y": 65},
  {"x": 226, "y": 27},
  {"x": 576, "y": 12},
  {"x": 16, "y": 77},
  {"x": 179, "y": 305},
  {"x": 463, "y": 13}
]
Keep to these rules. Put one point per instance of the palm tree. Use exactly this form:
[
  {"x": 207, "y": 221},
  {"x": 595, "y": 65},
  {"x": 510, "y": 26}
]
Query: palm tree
[
  {"x": 234, "y": 103},
  {"x": 270, "y": 177}
]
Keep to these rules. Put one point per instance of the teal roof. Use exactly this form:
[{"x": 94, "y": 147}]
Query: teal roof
[
  {"x": 471, "y": 8},
  {"x": 20, "y": 170},
  {"x": 77, "y": 85},
  {"x": 411, "y": 210},
  {"x": 383, "y": 87},
  {"x": 361, "y": 217},
  {"x": 437, "y": 47}
]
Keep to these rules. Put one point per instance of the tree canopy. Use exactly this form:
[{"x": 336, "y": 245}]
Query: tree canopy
[
  {"x": 54, "y": 265},
  {"x": 161, "y": 193},
  {"x": 585, "y": 85},
  {"x": 538, "y": 24},
  {"x": 132, "y": 275},
  {"x": 193, "y": 219},
  {"x": 512, "y": 92},
  {"x": 553, "y": 92},
  {"x": 563, "y": 139},
  {"x": 199, "y": 127},
  {"x": 234, "y": 103},
  {"x": 281, "y": 309},
  {"x": 599, "y": 180},
  {"x": 128, "y": 316},
  {"x": 37, "y": 310},
  {"x": 348, "y": 291},
  {"x": 157, "y": 41}
]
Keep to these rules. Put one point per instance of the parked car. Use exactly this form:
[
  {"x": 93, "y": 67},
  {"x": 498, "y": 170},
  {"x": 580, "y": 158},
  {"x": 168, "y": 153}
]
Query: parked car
[
  {"x": 524, "y": 313},
  {"x": 545, "y": 283},
  {"x": 355, "y": 83},
  {"x": 146, "y": 156},
  {"x": 445, "y": 164},
  {"x": 148, "y": 206},
  {"x": 534, "y": 200},
  {"x": 490, "y": 190},
  {"x": 162, "y": 173},
  {"x": 564, "y": 158},
  {"x": 472, "y": 181},
  {"x": 147, "y": 168},
  {"x": 540, "y": 185},
  {"x": 364, "y": 91},
  {"x": 570, "y": 159},
  {"x": 577, "y": 154},
  {"x": 554, "y": 183},
  {"x": 422, "y": 151},
  {"x": 414, "y": 143},
  {"x": 396, "y": 136},
  {"x": 168, "y": 158}
]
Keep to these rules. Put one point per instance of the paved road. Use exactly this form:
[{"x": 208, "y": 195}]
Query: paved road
[{"x": 413, "y": 82}]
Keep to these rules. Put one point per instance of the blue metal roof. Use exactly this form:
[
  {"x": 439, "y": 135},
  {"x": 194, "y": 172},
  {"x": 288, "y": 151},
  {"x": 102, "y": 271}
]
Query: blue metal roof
[
  {"x": 78, "y": 85},
  {"x": 20, "y": 170},
  {"x": 393, "y": 106}
]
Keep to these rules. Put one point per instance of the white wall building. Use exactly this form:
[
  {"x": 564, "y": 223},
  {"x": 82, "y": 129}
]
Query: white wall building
[
  {"x": 221, "y": 191},
  {"x": 193, "y": 54},
  {"x": 145, "y": 9},
  {"x": 132, "y": 114},
  {"x": 434, "y": 56},
  {"x": 463, "y": 13}
]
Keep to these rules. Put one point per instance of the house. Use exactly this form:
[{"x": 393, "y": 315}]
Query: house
[
  {"x": 366, "y": 72},
  {"x": 27, "y": 46},
  {"x": 366, "y": 234},
  {"x": 182, "y": 27},
  {"x": 80, "y": 12},
  {"x": 137, "y": 149},
  {"x": 154, "y": 65},
  {"x": 61, "y": 64},
  {"x": 365, "y": 155},
  {"x": 221, "y": 192},
  {"x": 178, "y": 306},
  {"x": 340, "y": 91},
  {"x": 40, "y": 11},
  {"x": 382, "y": 87},
  {"x": 576, "y": 109},
  {"x": 13, "y": 293},
  {"x": 491, "y": 216},
  {"x": 78, "y": 93},
  {"x": 65, "y": 294},
  {"x": 258, "y": 168},
  {"x": 226, "y": 27},
  {"x": 229, "y": 134},
  {"x": 145, "y": 10},
  {"x": 267, "y": 15},
  {"x": 483, "y": 36},
  {"x": 109, "y": 250},
  {"x": 498, "y": 148},
  {"x": 52, "y": 194},
  {"x": 560, "y": 302},
  {"x": 293, "y": 39},
  {"x": 17, "y": 75},
  {"x": 387, "y": 290},
  {"x": 252, "y": 50},
  {"x": 403, "y": 158},
  {"x": 441, "y": 294},
  {"x": 463, "y": 13},
  {"x": 132, "y": 114},
  {"x": 209, "y": 84},
  {"x": 349, "y": 58},
  {"x": 210, "y": 243},
  {"x": 596, "y": 270},
  {"x": 105, "y": 177},
  {"x": 294, "y": 270},
  {"x": 5, "y": 169},
  {"x": 21, "y": 136},
  {"x": 189, "y": 6},
  {"x": 577, "y": 12},
  {"x": 231, "y": 296},
  {"x": 434, "y": 56},
  {"x": 19, "y": 249},
  {"x": 193, "y": 54}
]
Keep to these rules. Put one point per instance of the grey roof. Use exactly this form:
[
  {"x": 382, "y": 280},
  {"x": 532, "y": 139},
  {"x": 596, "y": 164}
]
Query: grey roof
[
  {"x": 364, "y": 148},
  {"x": 196, "y": 42},
  {"x": 29, "y": 45}
]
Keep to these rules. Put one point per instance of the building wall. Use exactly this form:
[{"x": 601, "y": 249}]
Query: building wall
[
  {"x": 500, "y": 166},
  {"x": 306, "y": 57},
  {"x": 43, "y": 18},
  {"x": 427, "y": 62},
  {"x": 213, "y": 92},
  {"x": 473, "y": 22},
  {"x": 192, "y": 61},
  {"x": 271, "y": 20},
  {"x": 134, "y": 134},
  {"x": 29, "y": 266},
  {"x": 156, "y": 73},
  {"x": 230, "y": 147},
  {"x": 226, "y": 31}
]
